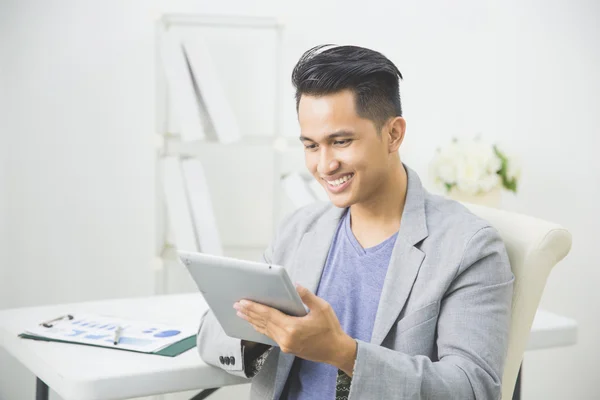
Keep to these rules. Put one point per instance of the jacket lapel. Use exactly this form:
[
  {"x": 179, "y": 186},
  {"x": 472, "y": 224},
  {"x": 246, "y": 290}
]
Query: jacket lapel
[
  {"x": 405, "y": 260},
  {"x": 314, "y": 247},
  {"x": 307, "y": 269}
]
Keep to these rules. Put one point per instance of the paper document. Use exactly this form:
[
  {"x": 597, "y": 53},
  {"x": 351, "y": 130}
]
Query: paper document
[{"x": 98, "y": 330}]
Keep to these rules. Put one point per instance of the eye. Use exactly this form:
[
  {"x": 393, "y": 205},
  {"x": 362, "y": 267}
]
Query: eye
[
  {"x": 310, "y": 146},
  {"x": 342, "y": 142}
]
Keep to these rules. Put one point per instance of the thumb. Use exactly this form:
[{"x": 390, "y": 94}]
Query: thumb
[{"x": 308, "y": 298}]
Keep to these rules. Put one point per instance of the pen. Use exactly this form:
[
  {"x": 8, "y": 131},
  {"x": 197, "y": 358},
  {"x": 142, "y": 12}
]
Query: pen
[{"x": 117, "y": 335}]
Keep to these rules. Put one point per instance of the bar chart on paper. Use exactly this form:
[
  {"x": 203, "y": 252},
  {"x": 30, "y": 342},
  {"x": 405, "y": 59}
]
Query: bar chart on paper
[{"x": 98, "y": 330}]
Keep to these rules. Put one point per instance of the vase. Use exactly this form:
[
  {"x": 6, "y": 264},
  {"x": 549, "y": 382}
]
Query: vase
[{"x": 488, "y": 199}]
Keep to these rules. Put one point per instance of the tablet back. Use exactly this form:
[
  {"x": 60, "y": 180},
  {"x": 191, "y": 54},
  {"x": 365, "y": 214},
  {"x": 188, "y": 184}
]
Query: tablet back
[{"x": 223, "y": 281}]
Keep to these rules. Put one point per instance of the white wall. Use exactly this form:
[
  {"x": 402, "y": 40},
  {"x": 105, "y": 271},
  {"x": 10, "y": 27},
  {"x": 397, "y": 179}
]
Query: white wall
[
  {"x": 79, "y": 105},
  {"x": 79, "y": 94},
  {"x": 3, "y": 266},
  {"x": 3, "y": 257},
  {"x": 3, "y": 142}
]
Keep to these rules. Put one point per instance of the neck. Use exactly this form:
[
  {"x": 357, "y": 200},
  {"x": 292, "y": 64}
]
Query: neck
[{"x": 383, "y": 210}]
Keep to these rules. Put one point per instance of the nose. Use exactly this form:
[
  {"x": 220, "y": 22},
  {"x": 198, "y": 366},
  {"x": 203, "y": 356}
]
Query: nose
[{"x": 327, "y": 162}]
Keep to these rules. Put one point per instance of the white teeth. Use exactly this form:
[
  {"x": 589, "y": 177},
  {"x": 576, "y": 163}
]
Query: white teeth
[{"x": 338, "y": 182}]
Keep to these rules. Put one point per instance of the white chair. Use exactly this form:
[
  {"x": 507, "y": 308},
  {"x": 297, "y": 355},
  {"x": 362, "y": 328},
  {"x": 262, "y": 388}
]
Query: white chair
[{"x": 534, "y": 246}]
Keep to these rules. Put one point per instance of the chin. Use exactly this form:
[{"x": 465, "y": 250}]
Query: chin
[{"x": 341, "y": 201}]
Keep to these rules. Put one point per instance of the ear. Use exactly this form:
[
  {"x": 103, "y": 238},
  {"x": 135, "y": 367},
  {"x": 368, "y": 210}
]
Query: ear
[{"x": 397, "y": 127}]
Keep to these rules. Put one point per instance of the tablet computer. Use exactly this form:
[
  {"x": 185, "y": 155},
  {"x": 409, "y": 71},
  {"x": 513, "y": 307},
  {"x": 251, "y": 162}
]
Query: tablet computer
[{"x": 223, "y": 281}]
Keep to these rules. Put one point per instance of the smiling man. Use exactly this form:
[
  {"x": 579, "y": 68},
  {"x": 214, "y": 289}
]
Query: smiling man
[{"x": 409, "y": 293}]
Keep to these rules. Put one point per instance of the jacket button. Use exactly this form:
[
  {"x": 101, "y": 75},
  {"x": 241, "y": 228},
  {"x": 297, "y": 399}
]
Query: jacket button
[
  {"x": 227, "y": 361},
  {"x": 222, "y": 360},
  {"x": 232, "y": 360}
]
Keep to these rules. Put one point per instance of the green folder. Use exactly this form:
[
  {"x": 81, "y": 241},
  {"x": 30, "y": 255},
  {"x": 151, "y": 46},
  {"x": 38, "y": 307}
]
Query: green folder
[{"x": 173, "y": 350}]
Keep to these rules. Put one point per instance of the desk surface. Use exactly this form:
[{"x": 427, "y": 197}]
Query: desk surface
[
  {"x": 84, "y": 373},
  {"x": 89, "y": 373}
]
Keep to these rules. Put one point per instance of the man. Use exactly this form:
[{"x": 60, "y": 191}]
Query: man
[{"x": 412, "y": 291}]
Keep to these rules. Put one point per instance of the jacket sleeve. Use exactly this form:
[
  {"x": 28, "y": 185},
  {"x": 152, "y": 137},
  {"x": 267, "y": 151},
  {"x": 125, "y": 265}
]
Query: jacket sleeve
[
  {"x": 472, "y": 337},
  {"x": 214, "y": 345}
]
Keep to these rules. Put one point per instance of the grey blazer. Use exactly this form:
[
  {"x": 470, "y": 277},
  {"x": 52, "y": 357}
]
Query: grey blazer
[{"x": 441, "y": 330}]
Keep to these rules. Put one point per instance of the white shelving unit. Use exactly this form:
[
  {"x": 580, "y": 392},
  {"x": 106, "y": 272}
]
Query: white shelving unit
[{"x": 247, "y": 53}]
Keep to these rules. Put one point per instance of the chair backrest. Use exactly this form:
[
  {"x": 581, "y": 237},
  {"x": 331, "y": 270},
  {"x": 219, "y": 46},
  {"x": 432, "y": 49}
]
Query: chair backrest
[{"x": 534, "y": 246}]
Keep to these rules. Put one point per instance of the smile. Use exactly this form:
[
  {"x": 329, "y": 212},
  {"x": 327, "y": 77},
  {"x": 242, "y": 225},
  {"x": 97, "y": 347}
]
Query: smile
[{"x": 340, "y": 184}]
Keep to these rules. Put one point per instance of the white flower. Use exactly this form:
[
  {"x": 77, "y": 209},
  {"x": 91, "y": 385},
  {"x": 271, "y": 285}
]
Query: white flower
[
  {"x": 467, "y": 176},
  {"x": 447, "y": 172},
  {"x": 470, "y": 165},
  {"x": 445, "y": 163},
  {"x": 489, "y": 182}
]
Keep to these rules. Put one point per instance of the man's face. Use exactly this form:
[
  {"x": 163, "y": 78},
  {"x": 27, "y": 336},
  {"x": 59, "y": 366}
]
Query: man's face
[{"x": 343, "y": 151}]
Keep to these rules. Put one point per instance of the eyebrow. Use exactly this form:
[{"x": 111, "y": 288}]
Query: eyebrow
[{"x": 331, "y": 136}]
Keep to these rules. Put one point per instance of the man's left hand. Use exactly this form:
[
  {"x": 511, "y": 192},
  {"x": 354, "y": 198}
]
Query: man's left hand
[{"x": 318, "y": 336}]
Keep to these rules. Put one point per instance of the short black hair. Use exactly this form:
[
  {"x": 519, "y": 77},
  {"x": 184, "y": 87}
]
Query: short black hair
[{"x": 374, "y": 79}]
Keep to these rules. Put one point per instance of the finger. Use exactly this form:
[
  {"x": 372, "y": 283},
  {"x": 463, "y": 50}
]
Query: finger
[
  {"x": 258, "y": 311},
  {"x": 254, "y": 319},
  {"x": 244, "y": 307},
  {"x": 255, "y": 307},
  {"x": 308, "y": 298},
  {"x": 243, "y": 313},
  {"x": 262, "y": 318},
  {"x": 276, "y": 333},
  {"x": 244, "y": 316},
  {"x": 266, "y": 320},
  {"x": 271, "y": 318}
]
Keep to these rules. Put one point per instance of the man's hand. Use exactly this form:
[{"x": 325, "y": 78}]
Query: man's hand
[{"x": 318, "y": 336}]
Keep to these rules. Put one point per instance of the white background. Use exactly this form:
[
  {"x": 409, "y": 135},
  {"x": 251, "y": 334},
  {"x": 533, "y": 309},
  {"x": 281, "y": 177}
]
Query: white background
[{"x": 77, "y": 94}]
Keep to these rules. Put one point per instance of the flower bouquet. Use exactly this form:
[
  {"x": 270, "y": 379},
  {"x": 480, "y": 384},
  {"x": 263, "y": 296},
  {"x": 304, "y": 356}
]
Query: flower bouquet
[{"x": 474, "y": 171}]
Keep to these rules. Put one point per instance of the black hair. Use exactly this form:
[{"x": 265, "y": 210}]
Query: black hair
[{"x": 370, "y": 75}]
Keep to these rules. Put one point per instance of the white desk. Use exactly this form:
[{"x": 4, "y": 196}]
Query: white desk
[
  {"x": 88, "y": 373},
  {"x": 85, "y": 373}
]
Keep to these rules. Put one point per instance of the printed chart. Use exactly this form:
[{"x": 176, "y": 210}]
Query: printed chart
[{"x": 100, "y": 330}]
